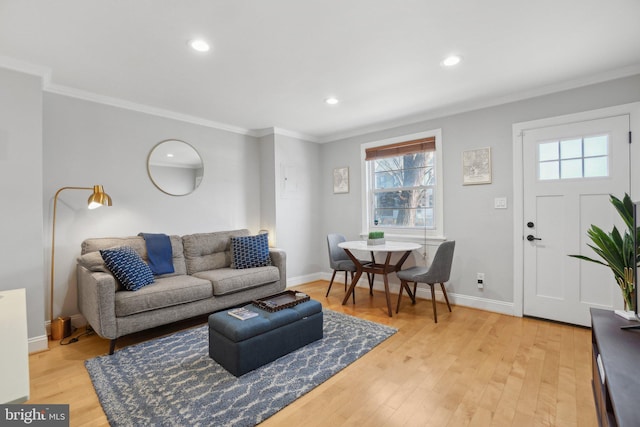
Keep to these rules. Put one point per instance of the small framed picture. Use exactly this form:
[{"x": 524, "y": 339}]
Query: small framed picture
[
  {"x": 341, "y": 180},
  {"x": 476, "y": 166}
]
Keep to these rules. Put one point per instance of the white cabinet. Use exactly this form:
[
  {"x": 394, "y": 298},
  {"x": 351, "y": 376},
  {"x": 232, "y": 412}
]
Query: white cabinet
[{"x": 14, "y": 357}]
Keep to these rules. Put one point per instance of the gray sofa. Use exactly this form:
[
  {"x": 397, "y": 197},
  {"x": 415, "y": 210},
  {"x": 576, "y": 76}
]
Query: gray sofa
[{"x": 202, "y": 283}]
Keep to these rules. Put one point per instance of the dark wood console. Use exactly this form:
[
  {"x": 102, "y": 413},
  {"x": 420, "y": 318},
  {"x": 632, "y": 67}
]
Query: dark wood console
[{"x": 616, "y": 369}]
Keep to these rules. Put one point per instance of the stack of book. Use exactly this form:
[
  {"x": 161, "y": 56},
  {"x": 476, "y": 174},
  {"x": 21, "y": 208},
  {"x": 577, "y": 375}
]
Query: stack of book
[{"x": 242, "y": 313}]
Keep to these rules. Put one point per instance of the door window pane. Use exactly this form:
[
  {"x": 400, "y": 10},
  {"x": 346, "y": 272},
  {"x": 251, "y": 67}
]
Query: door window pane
[
  {"x": 596, "y": 146},
  {"x": 549, "y": 170},
  {"x": 571, "y": 149},
  {"x": 571, "y": 169},
  {"x": 596, "y": 166},
  {"x": 548, "y": 151}
]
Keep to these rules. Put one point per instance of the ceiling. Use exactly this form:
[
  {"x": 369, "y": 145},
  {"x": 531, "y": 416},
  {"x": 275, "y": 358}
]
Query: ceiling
[{"x": 273, "y": 63}]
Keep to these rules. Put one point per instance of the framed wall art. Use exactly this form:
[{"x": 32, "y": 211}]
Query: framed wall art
[
  {"x": 341, "y": 180},
  {"x": 476, "y": 166}
]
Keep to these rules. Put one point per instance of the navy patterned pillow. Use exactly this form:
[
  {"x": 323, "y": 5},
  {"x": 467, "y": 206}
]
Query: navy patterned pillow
[
  {"x": 250, "y": 251},
  {"x": 127, "y": 266}
]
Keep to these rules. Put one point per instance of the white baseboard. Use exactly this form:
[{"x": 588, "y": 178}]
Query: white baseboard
[
  {"x": 295, "y": 281},
  {"x": 38, "y": 344},
  {"x": 486, "y": 304}
]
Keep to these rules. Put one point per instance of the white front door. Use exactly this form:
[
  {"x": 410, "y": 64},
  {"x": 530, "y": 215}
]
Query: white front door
[{"x": 569, "y": 171}]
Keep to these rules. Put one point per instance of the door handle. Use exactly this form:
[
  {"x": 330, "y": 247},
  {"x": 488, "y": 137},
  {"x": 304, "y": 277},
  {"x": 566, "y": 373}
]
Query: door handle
[{"x": 531, "y": 238}]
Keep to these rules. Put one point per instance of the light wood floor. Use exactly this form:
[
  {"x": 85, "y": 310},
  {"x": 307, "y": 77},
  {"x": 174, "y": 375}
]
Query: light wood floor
[{"x": 473, "y": 368}]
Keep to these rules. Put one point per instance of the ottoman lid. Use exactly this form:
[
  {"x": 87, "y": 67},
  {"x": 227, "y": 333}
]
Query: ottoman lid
[{"x": 239, "y": 330}]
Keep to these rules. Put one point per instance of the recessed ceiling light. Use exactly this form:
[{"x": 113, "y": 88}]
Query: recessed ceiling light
[
  {"x": 452, "y": 60},
  {"x": 331, "y": 101},
  {"x": 199, "y": 45},
  {"x": 169, "y": 155}
]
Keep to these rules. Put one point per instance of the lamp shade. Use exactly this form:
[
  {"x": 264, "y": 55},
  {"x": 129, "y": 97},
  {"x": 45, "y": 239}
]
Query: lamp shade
[{"x": 98, "y": 198}]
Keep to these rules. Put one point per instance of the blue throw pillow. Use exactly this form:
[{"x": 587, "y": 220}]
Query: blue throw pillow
[
  {"x": 250, "y": 251},
  {"x": 127, "y": 266}
]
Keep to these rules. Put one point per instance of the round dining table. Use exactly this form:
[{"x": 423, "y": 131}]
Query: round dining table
[{"x": 375, "y": 267}]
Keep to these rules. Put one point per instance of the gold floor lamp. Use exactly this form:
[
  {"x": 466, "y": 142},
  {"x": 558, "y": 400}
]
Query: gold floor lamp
[{"x": 97, "y": 199}]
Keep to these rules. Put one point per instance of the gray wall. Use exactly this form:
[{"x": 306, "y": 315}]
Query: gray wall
[
  {"x": 483, "y": 234},
  {"x": 86, "y": 143},
  {"x": 21, "y": 253},
  {"x": 290, "y": 201},
  {"x": 298, "y": 219}
]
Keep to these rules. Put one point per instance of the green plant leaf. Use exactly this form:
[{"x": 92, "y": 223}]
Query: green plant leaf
[
  {"x": 624, "y": 208},
  {"x": 585, "y": 258}
]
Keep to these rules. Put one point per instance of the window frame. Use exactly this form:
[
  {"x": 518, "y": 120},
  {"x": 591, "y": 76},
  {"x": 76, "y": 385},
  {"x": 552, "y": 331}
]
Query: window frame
[{"x": 403, "y": 233}]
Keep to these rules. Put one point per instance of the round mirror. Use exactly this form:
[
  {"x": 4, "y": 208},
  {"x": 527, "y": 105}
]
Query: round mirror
[{"x": 175, "y": 167}]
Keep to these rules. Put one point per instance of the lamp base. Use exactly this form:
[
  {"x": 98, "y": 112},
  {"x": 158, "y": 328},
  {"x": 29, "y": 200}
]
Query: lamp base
[{"x": 60, "y": 328}]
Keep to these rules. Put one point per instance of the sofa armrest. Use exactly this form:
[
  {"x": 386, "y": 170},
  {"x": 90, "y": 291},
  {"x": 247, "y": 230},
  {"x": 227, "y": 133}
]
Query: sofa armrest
[
  {"x": 279, "y": 259},
  {"x": 96, "y": 301}
]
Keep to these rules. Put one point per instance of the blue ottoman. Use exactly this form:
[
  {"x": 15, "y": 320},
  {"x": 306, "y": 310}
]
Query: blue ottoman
[{"x": 241, "y": 346}]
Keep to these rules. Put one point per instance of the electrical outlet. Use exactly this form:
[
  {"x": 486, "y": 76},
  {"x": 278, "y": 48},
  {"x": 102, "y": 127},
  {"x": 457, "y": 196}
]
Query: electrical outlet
[
  {"x": 500, "y": 203},
  {"x": 480, "y": 280}
]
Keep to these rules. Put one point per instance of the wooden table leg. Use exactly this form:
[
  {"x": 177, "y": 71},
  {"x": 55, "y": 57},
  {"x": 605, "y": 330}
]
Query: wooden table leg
[
  {"x": 352, "y": 286},
  {"x": 386, "y": 282},
  {"x": 383, "y": 269},
  {"x": 355, "y": 278},
  {"x": 402, "y": 260},
  {"x": 386, "y": 291}
]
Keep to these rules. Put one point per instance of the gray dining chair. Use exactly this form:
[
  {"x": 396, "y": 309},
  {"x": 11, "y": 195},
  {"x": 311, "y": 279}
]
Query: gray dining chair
[
  {"x": 438, "y": 272},
  {"x": 340, "y": 261}
]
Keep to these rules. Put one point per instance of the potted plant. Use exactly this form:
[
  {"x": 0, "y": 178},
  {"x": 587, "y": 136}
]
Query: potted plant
[
  {"x": 376, "y": 238},
  {"x": 617, "y": 251}
]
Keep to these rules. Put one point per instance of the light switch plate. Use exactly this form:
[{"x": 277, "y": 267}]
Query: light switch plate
[{"x": 500, "y": 203}]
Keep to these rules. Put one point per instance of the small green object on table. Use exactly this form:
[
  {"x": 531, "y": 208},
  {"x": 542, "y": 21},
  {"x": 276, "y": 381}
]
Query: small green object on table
[{"x": 375, "y": 238}]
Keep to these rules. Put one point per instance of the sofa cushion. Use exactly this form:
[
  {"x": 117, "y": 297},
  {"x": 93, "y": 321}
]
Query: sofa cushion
[
  {"x": 250, "y": 251},
  {"x": 208, "y": 251},
  {"x": 93, "y": 261},
  {"x": 137, "y": 243},
  {"x": 228, "y": 280},
  {"x": 127, "y": 266},
  {"x": 166, "y": 292}
]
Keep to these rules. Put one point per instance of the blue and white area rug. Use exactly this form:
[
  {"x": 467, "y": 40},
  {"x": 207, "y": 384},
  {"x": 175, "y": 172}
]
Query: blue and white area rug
[{"x": 171, "y": 381}]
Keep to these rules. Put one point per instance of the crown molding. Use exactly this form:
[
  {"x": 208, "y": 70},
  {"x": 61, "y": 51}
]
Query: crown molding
[
  {"x": 465, "y": 107},
  {"x": 259, "y": 133},
  {"x": 27, "y": 68},
  {"x": 142, "y": 108}
]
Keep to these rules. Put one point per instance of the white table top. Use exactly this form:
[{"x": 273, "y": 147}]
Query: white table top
[{"x": 389, "y": 246}]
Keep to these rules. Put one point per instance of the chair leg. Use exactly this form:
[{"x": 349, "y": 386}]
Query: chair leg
[
  {"x": 371, "y": 278},
  {"x": 415, "y": 288},
  {"x": 331, "y": 283},
  {"x": 433, "y": 302},
  {"x": 353, "y": 294},
  {"x": 444, "y": 292},
  {"x": 402, "y": 283}
]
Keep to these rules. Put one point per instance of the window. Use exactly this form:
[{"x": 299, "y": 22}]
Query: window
[
  {"x": 403, "y": 185},
  {"x": 582, "y": 157}
]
